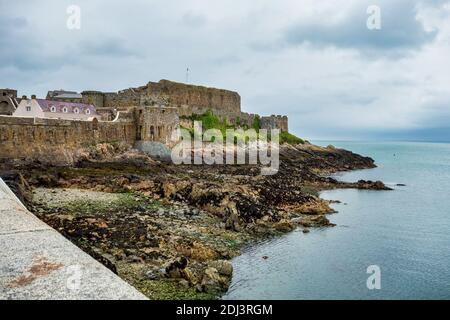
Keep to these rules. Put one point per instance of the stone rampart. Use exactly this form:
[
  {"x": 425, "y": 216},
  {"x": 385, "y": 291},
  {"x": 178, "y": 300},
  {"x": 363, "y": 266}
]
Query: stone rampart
[{"x": 55, "y": 141}]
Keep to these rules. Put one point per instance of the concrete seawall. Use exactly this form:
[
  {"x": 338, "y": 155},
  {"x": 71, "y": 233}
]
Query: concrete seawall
[{"x": 36, "y": 262}]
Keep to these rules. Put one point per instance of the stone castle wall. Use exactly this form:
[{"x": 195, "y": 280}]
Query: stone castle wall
[
  {"x": 93, "y": 97},
  {"x": 192, "y": 98},
  {"x": 123, "y": 99},
  {"x": 275, "y": 122},
  {"x": 146, "y": 114},
  {"x": 266, "y": 122},
  {"x": 54, "y": 140},
  {"x": 156, "y": 124},
  {"x": 242, "y": 119},
  {"x": 187, "y": 98},
  {"x": 112, "y": 100}
]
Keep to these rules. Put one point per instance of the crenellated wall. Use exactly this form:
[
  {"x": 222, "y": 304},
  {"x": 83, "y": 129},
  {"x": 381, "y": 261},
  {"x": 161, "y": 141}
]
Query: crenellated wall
[
  {"x": 194, "y": 98},
  {"x": 146, "y": 114},
  {"x": 187, "y": 98},
  {"x": 123, "y": 99},
  {"x": 55, "y": 141},
  {"x": 275, "y": 122}
]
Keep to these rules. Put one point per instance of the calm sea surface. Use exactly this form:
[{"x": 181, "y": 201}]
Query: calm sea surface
[{"x": 406, "y": 232}]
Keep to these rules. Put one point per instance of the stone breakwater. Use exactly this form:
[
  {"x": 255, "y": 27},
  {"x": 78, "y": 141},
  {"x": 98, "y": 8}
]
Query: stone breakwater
[{"x": 171, "y": 230}]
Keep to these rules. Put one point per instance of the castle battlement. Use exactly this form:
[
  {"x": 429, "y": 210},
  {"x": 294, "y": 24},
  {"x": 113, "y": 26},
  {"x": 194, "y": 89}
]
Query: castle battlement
[{"x": 143, "y": 114}]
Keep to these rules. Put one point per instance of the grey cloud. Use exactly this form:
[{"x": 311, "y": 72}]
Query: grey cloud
[
  {"x": 400, "y": 29},
  {"x": 10, "y": 24},
  {"x": 112, "y": 47},
  {"x": 193, "y": 20},
  {"x": 352, "y": 99},
  {"x": 331, "y": 92},
  {"x": 22, "y": 49},
  {"x": 436, "y": 113},
  {"x": 19, "y": 48},
  {"x": 227, "y": 59}
]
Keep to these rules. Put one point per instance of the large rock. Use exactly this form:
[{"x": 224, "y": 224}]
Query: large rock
[
  {"x": 201, "y": 252},
  {"x": 284, "y": 225},
  {"x": 212, "y": 281},
  {"x": 232, "y": 221},
  {"x": 154, "y": 149},
  {"x": 175, "y": 268},
  {"x": 224, "y": 267}
]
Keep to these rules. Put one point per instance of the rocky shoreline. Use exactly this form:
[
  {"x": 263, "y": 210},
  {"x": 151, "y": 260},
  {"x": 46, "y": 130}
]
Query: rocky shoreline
[{"x": 170, "y": 230}]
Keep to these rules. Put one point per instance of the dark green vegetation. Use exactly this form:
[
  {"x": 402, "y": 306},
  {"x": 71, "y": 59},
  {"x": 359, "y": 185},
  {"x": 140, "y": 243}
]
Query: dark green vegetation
[
  {"x": 286, "y": 137},
  {"x": 211, "y": 121}
]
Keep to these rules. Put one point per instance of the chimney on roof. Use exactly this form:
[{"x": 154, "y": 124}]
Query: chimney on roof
[{"x": 33, "y": 96}]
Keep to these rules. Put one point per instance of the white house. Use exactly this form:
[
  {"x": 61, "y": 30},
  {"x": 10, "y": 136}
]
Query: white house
[{"x": 41, "y": 108}]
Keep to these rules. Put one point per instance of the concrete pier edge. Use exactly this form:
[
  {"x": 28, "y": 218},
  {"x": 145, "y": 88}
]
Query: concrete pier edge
[{"x": 37, "y": 262}]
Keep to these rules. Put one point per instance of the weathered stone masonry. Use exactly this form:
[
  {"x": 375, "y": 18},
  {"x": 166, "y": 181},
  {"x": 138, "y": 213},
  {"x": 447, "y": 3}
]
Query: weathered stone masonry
[
  {"x": 186, "y": 99},
  {"x": 156, "y": 124},
  {"x": 56, "y": 140},
  {"x": 146, "y": 114}
]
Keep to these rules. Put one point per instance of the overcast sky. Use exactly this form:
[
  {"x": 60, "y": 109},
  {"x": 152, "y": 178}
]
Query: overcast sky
[{"x": 315, "y": 61}]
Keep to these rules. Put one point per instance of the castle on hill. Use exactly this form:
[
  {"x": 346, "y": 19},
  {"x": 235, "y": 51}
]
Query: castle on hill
[{"x": 143, "y": 114}]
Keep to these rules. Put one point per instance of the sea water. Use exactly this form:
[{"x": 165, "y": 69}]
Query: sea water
[{"x": 405, "y": 233}]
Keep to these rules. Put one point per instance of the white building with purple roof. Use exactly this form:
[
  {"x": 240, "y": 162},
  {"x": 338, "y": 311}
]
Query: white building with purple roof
[{"x": 41, "y": 108}]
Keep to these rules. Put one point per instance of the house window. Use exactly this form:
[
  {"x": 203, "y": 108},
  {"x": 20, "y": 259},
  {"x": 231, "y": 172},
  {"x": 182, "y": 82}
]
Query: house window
[
  {"x": 28, "y": 108},
  {"x": 65, "y": 110},
  {"x": 76, "y": 110},
  {"x": 88, "y": 111},
  {"x": 52, "y": 109}
]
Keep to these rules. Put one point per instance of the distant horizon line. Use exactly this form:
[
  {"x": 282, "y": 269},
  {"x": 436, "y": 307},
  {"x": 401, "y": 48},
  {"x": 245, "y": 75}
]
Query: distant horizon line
[{"x": 379, "y": 140}]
